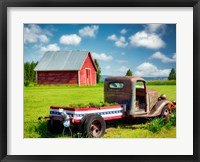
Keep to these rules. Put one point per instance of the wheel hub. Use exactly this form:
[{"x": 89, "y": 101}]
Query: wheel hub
[
  {"x": 95, "y": 128},
  {"x": 166, "y": 113}
]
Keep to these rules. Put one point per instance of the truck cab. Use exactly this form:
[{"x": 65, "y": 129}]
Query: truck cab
[{"x": 132, "y": 92}]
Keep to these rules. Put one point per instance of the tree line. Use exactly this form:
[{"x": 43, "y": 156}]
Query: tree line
[
  {"x": 172, "y": 74},
  {"x": 29, "y": 73}
]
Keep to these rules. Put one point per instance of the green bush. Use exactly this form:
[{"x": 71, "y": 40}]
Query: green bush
[
  {"x": 157, "y": 124},
  {"x": 79, "y": 105},
  {"x": 26, "y": 83},
  {"x": 92, "y": 104},
  {"x": 172, "y": 121}
]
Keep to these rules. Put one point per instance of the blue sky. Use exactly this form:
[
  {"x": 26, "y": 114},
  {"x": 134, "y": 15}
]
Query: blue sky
[{"x": 149, "y": 50}]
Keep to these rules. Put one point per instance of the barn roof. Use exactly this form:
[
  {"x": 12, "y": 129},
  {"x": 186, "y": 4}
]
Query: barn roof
[{"x": 61, "y": 60}]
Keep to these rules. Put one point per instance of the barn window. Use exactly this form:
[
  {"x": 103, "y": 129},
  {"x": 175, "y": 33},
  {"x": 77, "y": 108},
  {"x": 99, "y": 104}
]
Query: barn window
[{"x": 116, "y": 85}]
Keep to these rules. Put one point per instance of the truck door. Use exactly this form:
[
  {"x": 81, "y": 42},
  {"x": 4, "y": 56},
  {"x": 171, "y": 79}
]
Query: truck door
[{"x": 141, "y": 97}]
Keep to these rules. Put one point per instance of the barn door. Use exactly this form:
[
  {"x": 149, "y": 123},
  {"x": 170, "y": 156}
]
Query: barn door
[{"x": 88, "y": 76}]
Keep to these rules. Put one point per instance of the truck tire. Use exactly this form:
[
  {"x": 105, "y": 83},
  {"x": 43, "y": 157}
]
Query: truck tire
[
  {"x": 81, "y": 125},
  {"x": 165, "y": 113},
  {"x": 94, "y": 126},
  {"x": 54, "y": 126}
]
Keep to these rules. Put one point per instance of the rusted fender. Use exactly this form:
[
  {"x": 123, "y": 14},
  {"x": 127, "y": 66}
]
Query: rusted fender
[
  {"x": 172, "y": 106},
  {"x": 156, "y": 111}
]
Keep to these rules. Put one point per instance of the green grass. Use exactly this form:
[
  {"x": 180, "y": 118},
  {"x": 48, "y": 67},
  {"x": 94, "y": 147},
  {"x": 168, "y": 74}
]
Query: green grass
[
  {"x": 169, "y": 90},
  {"x": 38, "y": 99},
  {"x": 135, "y": 132},
  {"x": 162, "y": 82}
]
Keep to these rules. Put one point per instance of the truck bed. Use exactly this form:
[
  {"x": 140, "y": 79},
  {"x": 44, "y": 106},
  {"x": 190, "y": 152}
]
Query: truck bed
[{"x": 107, "y": 112}]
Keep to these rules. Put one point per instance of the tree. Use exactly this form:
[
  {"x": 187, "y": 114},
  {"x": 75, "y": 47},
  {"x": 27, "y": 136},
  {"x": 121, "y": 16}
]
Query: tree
[
  {"x": 172, "y": 75},
  {"x": 98, "y": 75},
  {"x": 129, "y": 72},
  {"x": 29, "y": 73}
]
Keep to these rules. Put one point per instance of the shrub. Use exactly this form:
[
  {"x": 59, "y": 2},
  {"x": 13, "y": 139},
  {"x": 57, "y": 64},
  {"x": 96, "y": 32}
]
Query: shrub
[
  {"x": 156, "y": 124},
  {"x": 26, "y": 83},
  {"x": 79, "y": 105},
  {"x": 92, "y": 104},
  {"x": 172, "y": 121},
  {"x": 101, "y": 104}
]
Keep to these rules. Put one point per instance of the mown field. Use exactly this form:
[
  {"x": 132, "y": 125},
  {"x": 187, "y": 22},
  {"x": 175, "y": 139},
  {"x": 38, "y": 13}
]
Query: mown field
[{"x": 38, "y": 99}]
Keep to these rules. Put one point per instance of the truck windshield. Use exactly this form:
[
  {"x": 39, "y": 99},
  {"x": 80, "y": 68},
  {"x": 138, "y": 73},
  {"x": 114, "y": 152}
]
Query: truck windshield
[{"x": 116, "y": 85}]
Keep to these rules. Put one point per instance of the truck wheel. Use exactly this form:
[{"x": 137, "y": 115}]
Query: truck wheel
[
  {"x": 165, "y": 113},
  {"x": 81, "y": 125},
  {"x": 94, "y": 126}
]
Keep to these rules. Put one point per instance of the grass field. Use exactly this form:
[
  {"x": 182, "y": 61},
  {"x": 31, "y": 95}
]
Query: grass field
[{"x": 38, "y": 99}]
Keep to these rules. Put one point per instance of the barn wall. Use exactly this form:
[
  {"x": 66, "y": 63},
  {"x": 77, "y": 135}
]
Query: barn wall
[
  {"x": 57, "y": 77},
  {"x": 88, "y": 64}
]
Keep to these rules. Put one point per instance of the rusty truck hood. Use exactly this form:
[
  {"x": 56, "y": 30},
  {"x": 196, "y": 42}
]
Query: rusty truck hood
[{"x": 153, "y": 97}]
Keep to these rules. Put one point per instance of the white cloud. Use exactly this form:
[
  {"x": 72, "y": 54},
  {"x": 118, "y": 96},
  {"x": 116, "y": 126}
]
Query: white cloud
[
  {"x": 119, "y": 42},
  {"x": 37, "y": 46},
  {"x": 33, "y": 33},
  {"x": 148, "y": 40},
  {"x": 71, "y": 39},
  {"x": 152, "y": 28},
  {"x": 174, "y": 56},
  {"x": 43, "y": 38},
  {"x": 107, "y": 67},
  {"x": 149, "y": 70},
  {"x": 89, "y": 31},
  {"x": 121, "y": 61},
  {"x": 102, "y": 56},
  {"x": 50, "y": 47},
  {"x": 122, "y": 69},
  {"x": 123, "y": 31},
  {"x": 163, "y": 58},
  {"x": 112, "y": 37}
]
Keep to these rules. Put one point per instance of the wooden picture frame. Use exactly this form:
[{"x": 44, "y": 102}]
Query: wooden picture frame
[{"x": 100, "y": 3}]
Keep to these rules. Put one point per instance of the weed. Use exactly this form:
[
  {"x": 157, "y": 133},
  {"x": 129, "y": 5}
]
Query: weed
[
  {"x": 157, "y": 124},
  {"x": 92, "y": 104},
  {"x": 172, "y": 121}
]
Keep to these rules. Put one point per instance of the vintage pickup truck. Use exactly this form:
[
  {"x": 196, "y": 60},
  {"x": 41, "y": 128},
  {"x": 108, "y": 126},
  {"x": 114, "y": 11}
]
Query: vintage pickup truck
[{"x": 133, "y": 98}]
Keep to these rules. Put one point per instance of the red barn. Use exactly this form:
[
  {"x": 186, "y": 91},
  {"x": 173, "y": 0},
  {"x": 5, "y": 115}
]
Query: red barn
[{"x": 66, "y": 67}]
